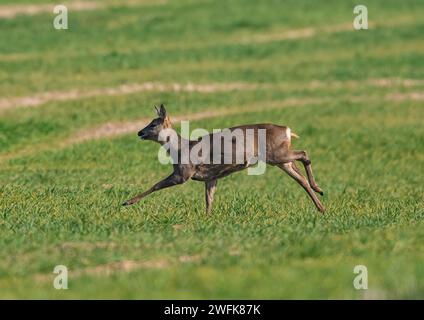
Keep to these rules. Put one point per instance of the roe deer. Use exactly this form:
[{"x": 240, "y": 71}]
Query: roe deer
[{"x": 278, "y": 152}]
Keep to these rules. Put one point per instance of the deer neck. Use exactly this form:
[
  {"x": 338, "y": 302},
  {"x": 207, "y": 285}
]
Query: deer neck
[{"x": 174, "y": 141}]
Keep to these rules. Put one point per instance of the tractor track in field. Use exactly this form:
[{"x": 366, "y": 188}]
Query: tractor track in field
[
  {"x": 273, "y": 35},
  {"x": 42, "y": 98},
  {"x": 113, "y": 129},
  {"x": 53, "y": 96},
  {"x": 126, "y": 266},
  {"x": 10, "y": 11},
  {"x": 116, "y": 129}
]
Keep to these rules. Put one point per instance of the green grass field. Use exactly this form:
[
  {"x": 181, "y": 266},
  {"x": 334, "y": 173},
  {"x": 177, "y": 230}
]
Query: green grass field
[{"x": 355, "y": 98}]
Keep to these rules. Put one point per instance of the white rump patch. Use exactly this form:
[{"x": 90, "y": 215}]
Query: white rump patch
[{"x": 288, "y": 133}]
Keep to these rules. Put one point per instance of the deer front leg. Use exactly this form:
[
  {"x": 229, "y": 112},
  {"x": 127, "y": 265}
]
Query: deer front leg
[
  {"x": 210, "y": 187},
  {"x": 288, "y": 168},
  {"x": 172, "y": 180}
]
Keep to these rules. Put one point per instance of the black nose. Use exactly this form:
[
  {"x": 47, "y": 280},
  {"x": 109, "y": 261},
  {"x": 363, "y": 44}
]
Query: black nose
[{"x": 140, "y": 133}]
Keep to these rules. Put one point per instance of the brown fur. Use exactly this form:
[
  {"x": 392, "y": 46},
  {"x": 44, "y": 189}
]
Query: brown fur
[{"x": 278, "y": 153}]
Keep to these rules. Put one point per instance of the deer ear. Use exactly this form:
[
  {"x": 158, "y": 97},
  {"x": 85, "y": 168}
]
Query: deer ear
[
  {"x": 157, "y": 111},
  {"x": 162, "y": 112}
]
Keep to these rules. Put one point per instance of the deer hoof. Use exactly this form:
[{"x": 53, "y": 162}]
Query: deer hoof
[{"x": 317, "y": 189}]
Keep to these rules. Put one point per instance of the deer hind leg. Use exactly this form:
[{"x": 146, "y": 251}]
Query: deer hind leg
[
  {"x": 303, "y": 157},
  {"x": 288, "y": 168},
  {"x": 210, "y": 188}
]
